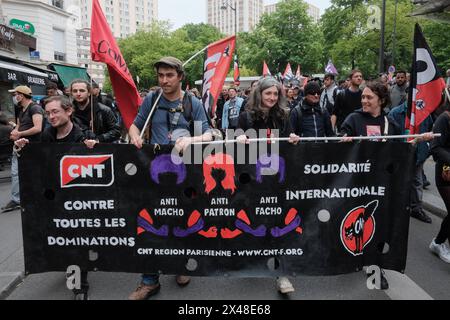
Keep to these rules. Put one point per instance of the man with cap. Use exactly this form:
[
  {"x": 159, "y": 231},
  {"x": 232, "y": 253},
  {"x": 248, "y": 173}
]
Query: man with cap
[
  {"x": 29, "y": 125},
  {"x": 169, "y": 126},
  {"x": 308, "y": 119}
]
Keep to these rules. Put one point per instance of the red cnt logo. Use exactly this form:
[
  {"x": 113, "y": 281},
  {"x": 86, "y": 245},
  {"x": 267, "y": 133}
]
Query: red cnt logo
[
  {"x": 87, "y": 171},
  {"x": 358, "y": 228}
]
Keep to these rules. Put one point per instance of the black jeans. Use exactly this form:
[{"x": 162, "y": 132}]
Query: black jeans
[{"x": 444, "y": 233}]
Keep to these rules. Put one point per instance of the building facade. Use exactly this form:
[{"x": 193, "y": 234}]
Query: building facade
[
  {"x": 222, "y": 16},
  {"x": 95, "y": 69},
  {"x": 125, "y": 17},
  {"x": 49, "y": 23},
  {"x": 313, "y": 11}
]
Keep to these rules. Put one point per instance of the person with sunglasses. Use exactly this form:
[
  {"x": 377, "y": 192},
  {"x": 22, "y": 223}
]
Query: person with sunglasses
[{"x": 308, "y": 119}]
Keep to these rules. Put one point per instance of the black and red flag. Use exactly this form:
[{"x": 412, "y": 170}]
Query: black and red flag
[
  {"x": 426, "y": 85},
  {"x": 104, "y": 48},
  {"x": 237, "y": 73},
  {"x": 218, "y": 58},
  {"x": 266, "y": 71}
]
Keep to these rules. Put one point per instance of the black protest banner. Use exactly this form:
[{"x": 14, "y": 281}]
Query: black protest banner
[{"x": 313, "y": 209}]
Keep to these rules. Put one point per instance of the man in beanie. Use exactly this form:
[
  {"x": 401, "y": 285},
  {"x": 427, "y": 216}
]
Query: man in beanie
[
  {"x": 308, "y": 119},
  {"x": 29, "y": 125}
]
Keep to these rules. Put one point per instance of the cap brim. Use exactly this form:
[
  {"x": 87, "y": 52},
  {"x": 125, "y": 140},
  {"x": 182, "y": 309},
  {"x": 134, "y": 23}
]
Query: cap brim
[{"x": 11, "y": 91}]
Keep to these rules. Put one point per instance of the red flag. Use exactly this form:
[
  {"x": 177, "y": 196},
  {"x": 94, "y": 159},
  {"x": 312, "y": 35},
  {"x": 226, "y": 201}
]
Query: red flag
[
  {"x": 104, "y": 48},
  {"x": 266, "y": 71},
  {"x": 237, "y": 73},
  {"x": 218, "y": 57},
  {"x": 426, "y": 84}
]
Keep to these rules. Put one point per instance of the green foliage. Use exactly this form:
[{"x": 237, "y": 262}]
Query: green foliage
[
  {"x": 287, "y": 35},
  {"x": 148, "y": 45},
  {"x": 438, "y": 38},
  {"x": 351, "y": 41}
]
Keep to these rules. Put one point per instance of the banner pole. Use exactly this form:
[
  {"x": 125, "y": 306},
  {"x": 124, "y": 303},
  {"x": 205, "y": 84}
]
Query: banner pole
[
  {"x": 160, "y": 94},
  {"x": 92, "y": 107},
  {"x": 321, "y": 139}
]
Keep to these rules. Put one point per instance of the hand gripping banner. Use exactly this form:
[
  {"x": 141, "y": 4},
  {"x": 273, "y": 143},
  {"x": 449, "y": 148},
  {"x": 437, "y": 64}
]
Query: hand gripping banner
[{"x": 312, "y": 209}]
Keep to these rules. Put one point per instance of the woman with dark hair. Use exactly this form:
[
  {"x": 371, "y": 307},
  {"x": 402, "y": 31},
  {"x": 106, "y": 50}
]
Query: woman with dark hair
[
  {"x": 370, "y": 120},
  {"x": 267, "y": 110},
  {"x": 440, "y": 149}
]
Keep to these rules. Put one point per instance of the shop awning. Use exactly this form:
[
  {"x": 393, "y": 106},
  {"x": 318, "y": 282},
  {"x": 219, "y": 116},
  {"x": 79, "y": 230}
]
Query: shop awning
[
  {"x": 67, "y": 73},
  {"x": 13, "y": 72}
]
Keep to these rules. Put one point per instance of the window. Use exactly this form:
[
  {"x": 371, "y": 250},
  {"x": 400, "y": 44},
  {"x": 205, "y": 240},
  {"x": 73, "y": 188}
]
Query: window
[
  {"x": 59, "y": 56},
  {"x": 59, "y": 41},
  {"x": 58, "y": 3}
]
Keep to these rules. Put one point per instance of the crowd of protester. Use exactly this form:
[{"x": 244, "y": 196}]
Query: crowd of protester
[{"x": 326, "y": 108}]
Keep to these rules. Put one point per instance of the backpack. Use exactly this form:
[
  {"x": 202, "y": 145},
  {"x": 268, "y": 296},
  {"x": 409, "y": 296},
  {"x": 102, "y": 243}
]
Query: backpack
[{"x": 186, "y": 109}]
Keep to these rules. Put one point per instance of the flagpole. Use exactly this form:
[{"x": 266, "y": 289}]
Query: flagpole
[
  {"x": 92, "y": 108},
  {"x": 321, "y": 139},
  {"x": 160, "y": 94}
]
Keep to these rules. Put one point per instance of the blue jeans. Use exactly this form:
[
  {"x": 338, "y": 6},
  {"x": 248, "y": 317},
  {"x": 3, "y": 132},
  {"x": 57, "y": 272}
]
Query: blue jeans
[
  {"x": 15, "y": 189},
  {"x": 150, "y": 279}
]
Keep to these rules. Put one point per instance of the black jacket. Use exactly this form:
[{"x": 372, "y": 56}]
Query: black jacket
[
  {"x": 106, "y": 128},
  {"x": 440, "y": 147},
  {"x": 246, "y": 122},
  {"x": 311, "y": 121}
]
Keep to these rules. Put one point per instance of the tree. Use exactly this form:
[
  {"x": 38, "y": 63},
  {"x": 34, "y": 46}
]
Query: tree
[
  {"x": 351, "y": 41},
  {"x": 287, "y": 35},
  {"x": 148, "y": 45}
]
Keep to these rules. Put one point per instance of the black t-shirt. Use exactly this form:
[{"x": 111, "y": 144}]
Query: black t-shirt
[
  {"x": 346, "y": 103},
  {"x": 84, "y": 117},
  {"x": 26, "y": 120},
  {"x": 76, "y": 135},
  {"x": 233, "y": 115}
]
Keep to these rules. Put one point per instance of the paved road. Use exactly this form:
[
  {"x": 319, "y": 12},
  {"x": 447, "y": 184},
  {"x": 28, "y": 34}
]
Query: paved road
[{"x": 426, "y": 276}]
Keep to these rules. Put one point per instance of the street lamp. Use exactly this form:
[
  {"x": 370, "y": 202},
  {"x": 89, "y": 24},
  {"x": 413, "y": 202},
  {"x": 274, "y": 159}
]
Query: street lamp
[
  {"x": 394, "y": 40},
  {"x": 224, "y": 6},
  {"x": 383, "y": 25}
]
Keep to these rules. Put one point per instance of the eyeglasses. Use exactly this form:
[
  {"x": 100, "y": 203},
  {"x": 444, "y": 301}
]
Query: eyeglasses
[{"x": 53, "y": 112}]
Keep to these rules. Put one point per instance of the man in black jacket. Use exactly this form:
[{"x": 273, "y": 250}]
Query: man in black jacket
[
  {"x": 105, "y": 124},
  {"x": 308, "y": 119},
  {"x": 58, "y": 111}
]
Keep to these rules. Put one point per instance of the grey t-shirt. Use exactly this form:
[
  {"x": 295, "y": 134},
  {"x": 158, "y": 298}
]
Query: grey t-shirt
[
  {"x": 26, "y": 120},
  {"x": 162, "y": 118}
]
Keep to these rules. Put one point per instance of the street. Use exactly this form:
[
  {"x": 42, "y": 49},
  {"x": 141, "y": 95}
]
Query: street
[{"x": 426, "y": 275}]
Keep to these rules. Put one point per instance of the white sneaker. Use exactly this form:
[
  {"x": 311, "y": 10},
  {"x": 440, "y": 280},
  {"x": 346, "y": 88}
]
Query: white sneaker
[
  {"x": 284, "y": 285},
  {"x": 441, "y": 250}
]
